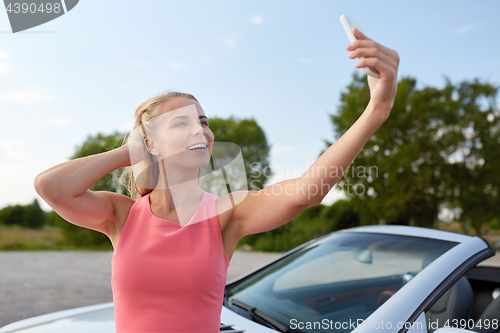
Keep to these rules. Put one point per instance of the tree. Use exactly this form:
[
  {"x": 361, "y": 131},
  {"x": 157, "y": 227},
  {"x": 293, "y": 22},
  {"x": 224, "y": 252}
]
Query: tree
[
  {"x": 437, "y": 147},
  {"x": 476, "y": 136},
  {"x": 29, "y": 216},
  {"x": 99, "y": 144},
  {"x": 34, "y": 216},
  {"x": 341, "y": 215},
  {"x": 12, "y": 215},
  {"x": 250, "y": 137}
]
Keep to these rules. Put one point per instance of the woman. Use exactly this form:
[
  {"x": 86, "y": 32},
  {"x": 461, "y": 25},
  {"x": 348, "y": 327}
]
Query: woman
[{"x": 173, "y": 244}]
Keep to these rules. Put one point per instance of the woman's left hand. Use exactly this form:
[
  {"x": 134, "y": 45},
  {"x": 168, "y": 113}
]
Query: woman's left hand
[{"x": 385, "y": 61}]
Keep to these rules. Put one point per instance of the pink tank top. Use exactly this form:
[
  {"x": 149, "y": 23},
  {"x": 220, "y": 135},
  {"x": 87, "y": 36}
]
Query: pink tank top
[{"x": 167, "y": 277}]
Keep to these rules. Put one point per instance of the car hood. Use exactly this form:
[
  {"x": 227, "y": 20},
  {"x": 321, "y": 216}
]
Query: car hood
[{"x": 99, "y": 318}]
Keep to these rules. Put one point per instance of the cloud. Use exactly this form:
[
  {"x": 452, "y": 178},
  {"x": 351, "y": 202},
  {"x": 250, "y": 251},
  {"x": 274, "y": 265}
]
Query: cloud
[
  {"x": 140, "y": 63},
  {"x": 205, "y": 59},
  {"x": 306, "y": 60},
  {"x": 177, "y": 65},
  {"x": 463, "y": 29},
  {"x": 39, "y": 112},
  {"x": 281, "y": 149},
  {"x": 256, "y": 19},
  {"x": 5, "y": 69},
  {"x": 4, "y": 55},
  {"x": 25, "y": 97},
  {"x": 60, "y": 122},
  {"x": 11, "y": 149},
  {"x": 227, "y": 42}
]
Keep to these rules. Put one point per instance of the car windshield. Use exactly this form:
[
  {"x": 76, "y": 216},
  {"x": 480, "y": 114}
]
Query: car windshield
[{"x": 340, "y": 278}]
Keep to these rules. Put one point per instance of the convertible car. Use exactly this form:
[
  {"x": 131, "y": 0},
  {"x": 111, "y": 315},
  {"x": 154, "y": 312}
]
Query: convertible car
[{"x": 372, "y": 278}]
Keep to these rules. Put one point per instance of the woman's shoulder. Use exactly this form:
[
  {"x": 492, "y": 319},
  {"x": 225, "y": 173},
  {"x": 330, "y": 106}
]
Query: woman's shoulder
[{"x": 225, "y": 206}]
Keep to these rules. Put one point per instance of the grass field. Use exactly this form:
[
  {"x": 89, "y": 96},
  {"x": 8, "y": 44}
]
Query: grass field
[{"x": 14, "y": 238}]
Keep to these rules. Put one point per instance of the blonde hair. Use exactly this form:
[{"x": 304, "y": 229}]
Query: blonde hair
[{"x": 148, "y": 171}]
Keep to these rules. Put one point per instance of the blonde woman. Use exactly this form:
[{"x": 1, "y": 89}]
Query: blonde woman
[{"x": 174, "y": 241}]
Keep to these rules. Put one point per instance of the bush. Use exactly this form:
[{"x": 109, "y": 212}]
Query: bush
[
  {"x": 29, "y": 216},
  {"x": 79, "y": 236},
  {"x": 341, "y": 215},
  {"x": 314, "y": 221}
]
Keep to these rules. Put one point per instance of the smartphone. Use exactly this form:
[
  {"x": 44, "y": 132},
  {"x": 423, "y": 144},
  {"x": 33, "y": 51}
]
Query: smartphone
[{"x": 349, "y": 23}]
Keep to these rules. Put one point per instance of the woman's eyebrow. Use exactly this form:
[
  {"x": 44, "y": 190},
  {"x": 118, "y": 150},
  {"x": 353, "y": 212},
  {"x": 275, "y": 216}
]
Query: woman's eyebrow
[{"x": 186, "y": 117}]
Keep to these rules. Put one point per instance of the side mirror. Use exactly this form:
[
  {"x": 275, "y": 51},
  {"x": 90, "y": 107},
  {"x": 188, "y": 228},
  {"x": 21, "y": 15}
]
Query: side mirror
[{"x": 364, "y": 256}]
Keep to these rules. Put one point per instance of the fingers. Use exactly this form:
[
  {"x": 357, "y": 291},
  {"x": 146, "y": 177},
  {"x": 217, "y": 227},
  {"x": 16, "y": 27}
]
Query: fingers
[
  {"x": 373, "y": 52},
  {"x": 364, "y": 41},
  {"x": 381, "y": 66},
  {"x": 375, "y": 55}
]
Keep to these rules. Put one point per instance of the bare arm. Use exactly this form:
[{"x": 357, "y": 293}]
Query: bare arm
[
  {"x": 272, "y": 207},
  {"x": 329, "y": 167},
  {"x": 73, "y": 178},
  {"x": 65, "y": 188},
  {"x": 277, "y": 204},
  {"x": 320, "y": 178}
]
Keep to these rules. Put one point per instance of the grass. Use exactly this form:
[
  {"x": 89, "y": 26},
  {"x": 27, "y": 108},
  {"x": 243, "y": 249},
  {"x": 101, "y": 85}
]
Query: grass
[{"x": 15, "y": 238}]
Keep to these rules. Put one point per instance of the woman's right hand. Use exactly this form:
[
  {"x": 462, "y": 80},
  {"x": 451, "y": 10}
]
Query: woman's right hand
[{"x": 136, "y": 145}]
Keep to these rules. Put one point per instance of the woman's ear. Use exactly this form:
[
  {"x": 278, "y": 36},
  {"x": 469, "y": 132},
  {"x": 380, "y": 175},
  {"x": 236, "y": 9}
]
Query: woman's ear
[{"x": 151, "y": 147}]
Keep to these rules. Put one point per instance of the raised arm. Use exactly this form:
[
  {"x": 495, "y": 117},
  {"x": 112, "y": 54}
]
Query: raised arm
[
  {"x": 277, "y": 204},
  {"x": 329, "y": 167},
  {"x": 65, "y": 187}
]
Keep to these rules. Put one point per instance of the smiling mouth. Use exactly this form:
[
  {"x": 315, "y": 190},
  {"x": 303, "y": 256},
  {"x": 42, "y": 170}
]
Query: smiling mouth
[{"x": 197, "y": 147}]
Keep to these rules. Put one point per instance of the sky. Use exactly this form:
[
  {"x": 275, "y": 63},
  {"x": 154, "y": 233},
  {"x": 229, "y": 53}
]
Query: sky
[{"x": 284, "y": 63}]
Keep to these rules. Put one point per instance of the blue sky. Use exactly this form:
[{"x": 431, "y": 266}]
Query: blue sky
[{"x": 282, "y": 62}]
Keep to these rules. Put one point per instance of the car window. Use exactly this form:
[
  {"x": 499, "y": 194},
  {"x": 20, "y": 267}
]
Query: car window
[{"x": 340, "y": 278}]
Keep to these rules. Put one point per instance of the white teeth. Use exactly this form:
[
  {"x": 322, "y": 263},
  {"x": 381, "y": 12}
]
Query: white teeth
[{"x": 198, "y": 146}]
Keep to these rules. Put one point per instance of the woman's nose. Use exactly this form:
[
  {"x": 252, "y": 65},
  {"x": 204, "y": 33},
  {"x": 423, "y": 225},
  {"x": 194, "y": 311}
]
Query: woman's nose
[{"x": 198, "y": 129}]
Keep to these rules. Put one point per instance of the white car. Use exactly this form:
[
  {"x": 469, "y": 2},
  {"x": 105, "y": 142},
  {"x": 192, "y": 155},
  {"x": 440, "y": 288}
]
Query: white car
[{"x": 372, "y": 278}]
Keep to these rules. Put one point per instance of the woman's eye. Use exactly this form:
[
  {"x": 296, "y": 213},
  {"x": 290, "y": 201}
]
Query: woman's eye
[{"x": 203, "y": 123}]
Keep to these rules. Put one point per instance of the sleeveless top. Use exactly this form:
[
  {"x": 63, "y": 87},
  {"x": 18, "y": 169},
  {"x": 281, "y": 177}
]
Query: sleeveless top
[{"x": 167, "y": 277}]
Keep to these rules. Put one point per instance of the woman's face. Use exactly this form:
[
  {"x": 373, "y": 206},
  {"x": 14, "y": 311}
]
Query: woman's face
[{"x": 182, "y": 124}]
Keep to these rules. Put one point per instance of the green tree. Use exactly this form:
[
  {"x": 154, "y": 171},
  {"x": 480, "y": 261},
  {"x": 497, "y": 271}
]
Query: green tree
[
  {"x": 99, "y": 144},
  {"x": 12, "y": 215},
  {"x": 252, "y": 141},
  {"x": 29, "y": 216},
  {"x": 475, "y": 186},
  {"x": 437, "y": 147},
  {"x": 340, "y": 215},
  {"x": 34, "y": 216}
]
